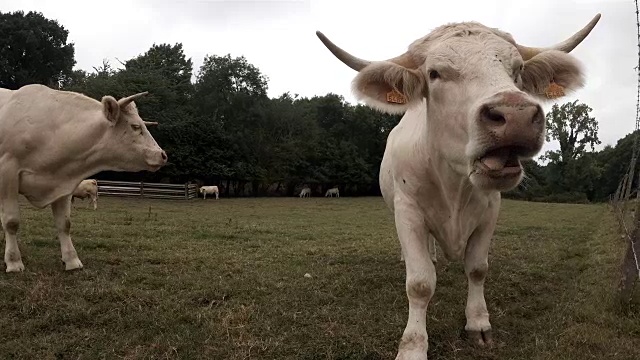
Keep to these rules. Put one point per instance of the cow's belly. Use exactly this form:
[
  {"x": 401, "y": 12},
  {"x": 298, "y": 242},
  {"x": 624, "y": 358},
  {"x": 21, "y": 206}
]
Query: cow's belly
[{"x": 43, "y": 189}]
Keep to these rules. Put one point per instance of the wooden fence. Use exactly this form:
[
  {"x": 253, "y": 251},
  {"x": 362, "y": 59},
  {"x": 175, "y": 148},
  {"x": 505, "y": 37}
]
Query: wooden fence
[{"x": 147, "y": 190}]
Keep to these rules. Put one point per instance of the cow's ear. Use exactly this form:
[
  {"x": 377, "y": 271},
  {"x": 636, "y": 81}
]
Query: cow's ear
[
  {"x": 552, "y": 74},
  {"x": 110, "y": 108},
  {"x": 389, "y": 87}
]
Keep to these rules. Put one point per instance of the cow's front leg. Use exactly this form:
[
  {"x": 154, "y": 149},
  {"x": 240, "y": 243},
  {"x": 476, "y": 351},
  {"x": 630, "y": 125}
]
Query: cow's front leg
[
  {"x": 10, "y": 223},
  {"x": 10, "y": 217},
  {"x": 432, "y": 250},
  {"x": 476, "y": 266},
  {"x": 61, "y": 209},
  {"x": 420, "y": 277}
]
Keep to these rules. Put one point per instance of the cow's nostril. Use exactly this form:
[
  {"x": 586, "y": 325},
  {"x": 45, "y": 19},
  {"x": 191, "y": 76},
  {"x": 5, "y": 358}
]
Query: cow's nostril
[
  {"x": 538, "y": 117},
  {"x": 164, "y": 156},
  {"x": 493, "y": 115}
]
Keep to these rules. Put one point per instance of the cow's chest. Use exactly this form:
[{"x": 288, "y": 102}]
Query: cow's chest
[{"x": 452, "y": 225}]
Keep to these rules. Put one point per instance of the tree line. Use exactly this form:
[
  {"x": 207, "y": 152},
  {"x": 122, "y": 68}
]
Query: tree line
[{"x": 223, "y": 129}]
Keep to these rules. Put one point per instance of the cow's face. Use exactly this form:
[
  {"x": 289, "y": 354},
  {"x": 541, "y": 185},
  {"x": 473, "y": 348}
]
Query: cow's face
[
  {"x": 481, "y": 90},
  {"x": 130, "y": 144}
]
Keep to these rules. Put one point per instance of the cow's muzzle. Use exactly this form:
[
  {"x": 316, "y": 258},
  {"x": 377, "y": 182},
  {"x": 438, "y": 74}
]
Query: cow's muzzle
[
  {"x": 512, "y": 128},
  {"x": 157, "y": 160}
]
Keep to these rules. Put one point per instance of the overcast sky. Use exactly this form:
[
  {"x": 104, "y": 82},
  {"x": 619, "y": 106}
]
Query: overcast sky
[{"x": 279, "y": 38}]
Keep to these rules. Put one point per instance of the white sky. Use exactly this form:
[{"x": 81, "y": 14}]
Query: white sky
[{"x": 279, "y": 38}]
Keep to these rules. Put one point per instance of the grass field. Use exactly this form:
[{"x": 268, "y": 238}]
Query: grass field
[{"x": 225, "y": 280}]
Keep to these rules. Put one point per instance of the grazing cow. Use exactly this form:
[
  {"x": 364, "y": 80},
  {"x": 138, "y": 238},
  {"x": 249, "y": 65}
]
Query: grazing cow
[
  {"x": 471, "y": 99},
  {"x": 50, "y": 141},
  {"x": 306, "y": 192},
  {"x": 209, "y": 190},
  {"x": 87, "y": 189},
  {"x": 332, "y": 191}
]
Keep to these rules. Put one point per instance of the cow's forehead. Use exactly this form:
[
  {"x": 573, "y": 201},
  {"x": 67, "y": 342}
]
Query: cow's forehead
[
  {"x": 131, "y": 109},
  {"x": 465, "y": 30}
]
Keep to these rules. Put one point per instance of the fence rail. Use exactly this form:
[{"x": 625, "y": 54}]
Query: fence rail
[{"x": 147, "y": 190}]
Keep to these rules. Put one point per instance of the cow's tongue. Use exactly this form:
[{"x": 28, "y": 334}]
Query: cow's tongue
[{"x": 496, "y": 159}]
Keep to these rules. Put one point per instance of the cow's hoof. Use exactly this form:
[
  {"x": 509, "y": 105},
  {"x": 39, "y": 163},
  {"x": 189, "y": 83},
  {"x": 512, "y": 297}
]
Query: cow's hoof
[
  {"x": 15, "y": 266},
  {"x": 412, "y": 355},
  {"x": 413, "y": 346},
  {"x": 72, "y": 264},
  {"x": 482, "y": 338}
]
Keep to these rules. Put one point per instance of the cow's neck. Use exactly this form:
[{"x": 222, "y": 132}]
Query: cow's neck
[
  {"x": 96, "y": 158},
  {"x": 453, "y": 207}
]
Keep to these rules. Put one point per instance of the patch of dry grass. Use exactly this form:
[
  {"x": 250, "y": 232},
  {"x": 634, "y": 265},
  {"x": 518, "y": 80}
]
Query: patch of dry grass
[{"x": 225, "y": 280}]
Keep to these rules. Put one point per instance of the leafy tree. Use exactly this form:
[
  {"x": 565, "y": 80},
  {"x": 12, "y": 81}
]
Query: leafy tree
[
  {"x": 614, "y": 163},
  {"x": 230, "y": 94},
  {"x": 224, "y": 129},
  {"x": 34, "y": 50},
  {"x": 571, "y": 125}
]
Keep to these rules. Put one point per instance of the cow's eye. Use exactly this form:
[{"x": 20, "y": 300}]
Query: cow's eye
[
  {"x": 433, "y": 75},
  {"x": 136, "y": 127}
]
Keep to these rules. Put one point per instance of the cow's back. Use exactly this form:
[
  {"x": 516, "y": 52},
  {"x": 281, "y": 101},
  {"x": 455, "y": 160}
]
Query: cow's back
[
  {"x": 52, "y": 117},
  {"x": 5, "y": 95}
]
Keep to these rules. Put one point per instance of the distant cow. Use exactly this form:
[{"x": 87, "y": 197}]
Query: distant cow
[
  {"x": 306, "y": 192},
  {"x": 331, "y": 192},
  {"x": 209, "y": 190},
  {"x": 87, "y": 188},
  {"x": 50, "y": 141}
]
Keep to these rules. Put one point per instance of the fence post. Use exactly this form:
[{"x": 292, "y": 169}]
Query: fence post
[
  {"x": 141, "y": 189},
  {"x": 186, "y": 191}
]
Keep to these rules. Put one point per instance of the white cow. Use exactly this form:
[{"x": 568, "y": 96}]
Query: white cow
[
  {"x": 332, "y": 191},
  {"x": 209, "y": 190},
  {"x": 5, "y": 94},
  {"x": 306, "y": 192},
  {"x": 50, "y": 141},
  {"x": 471, "y": 98},
  {"x": 87, "y": 189}
]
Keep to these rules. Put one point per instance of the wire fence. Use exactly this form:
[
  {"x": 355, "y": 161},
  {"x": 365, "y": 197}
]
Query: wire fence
[{"x": 627, "y": 208}]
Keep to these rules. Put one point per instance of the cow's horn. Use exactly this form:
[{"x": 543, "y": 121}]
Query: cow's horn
[
  {"x": 126, "y": 101},
  {"x": 358, "y": 64},
  {"x": 566, "y": 46},
  {"x": 150, "y": 123},
  {"x": 351, "y": 61}
]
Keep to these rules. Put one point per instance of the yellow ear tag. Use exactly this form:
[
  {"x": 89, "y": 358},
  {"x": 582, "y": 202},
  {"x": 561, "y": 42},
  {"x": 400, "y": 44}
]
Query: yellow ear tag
[
  {"x": 394, "y": 96},
  {"x": 554, "y": 90}
]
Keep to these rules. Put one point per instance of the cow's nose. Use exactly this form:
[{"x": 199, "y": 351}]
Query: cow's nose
[
  {"x": 164, "y": 156},
  {"x": 511, "y": 114}
]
